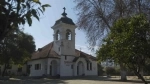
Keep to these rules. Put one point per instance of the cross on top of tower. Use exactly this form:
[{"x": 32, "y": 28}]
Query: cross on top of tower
[
  {"x": 64, "y": 13},
  {"x": 64, "y": 9}
]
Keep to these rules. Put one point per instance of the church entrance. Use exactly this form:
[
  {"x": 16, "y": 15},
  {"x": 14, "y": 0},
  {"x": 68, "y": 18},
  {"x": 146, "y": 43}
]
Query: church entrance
[
  {"x": 53, "y": 68},
  {"x": 80, "y": 69}
]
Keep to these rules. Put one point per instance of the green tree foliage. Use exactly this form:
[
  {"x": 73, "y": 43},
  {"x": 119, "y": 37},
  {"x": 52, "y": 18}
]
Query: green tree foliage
[
  {"x": 96, "y": 17},
  {"x": 110, "y": 71},
  {"x": 16, "y": 49},
  {"x": 128, "y": 43},
  {"x": 17, "y": 12}
]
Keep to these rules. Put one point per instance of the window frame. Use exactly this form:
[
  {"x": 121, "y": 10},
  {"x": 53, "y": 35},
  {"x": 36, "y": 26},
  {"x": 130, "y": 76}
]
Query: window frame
[
  {"x": 72, "y": 66},
  {"x": 65, "y": 57},
  {"x": 89, "y": 65},
  {"x": 37, "y": 67}
]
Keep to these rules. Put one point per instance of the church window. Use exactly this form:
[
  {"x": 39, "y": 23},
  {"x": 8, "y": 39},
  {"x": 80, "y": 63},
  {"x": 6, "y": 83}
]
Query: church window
[
  {"x": 65, "y": 57},
  {"x": 90, "y": 66},
  {"x": 37, "y": 66},
  {"x": 72, "y": 66},
  {"x": 57, "y": 35},
  {"x": 87, "y": 65},
  {"x": 68, "y": 34}
]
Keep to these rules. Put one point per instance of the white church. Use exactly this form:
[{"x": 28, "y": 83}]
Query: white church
[{"x": 60, "y": 58}]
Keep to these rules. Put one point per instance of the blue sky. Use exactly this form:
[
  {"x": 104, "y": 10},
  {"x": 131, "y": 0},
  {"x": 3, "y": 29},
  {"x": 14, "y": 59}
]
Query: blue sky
[{"x": 42, "y": 32}]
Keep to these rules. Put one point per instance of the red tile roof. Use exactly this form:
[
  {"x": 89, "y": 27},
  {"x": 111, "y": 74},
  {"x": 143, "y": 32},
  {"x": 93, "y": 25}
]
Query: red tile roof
[{"x": 48, "y": 52}]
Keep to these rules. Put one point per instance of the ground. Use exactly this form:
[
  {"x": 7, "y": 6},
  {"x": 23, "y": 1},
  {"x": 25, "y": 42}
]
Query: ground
[{"x": 81, "y": 80}]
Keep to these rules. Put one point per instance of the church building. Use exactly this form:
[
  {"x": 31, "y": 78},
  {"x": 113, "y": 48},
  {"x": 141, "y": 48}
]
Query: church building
[{"x": 60, "y": 58}]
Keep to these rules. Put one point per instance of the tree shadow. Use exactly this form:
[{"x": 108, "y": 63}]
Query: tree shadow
[
  {"x": 34, "y": 81},
  {"x": 128, "y": 81},
  {"x": 100, "y": 78}
]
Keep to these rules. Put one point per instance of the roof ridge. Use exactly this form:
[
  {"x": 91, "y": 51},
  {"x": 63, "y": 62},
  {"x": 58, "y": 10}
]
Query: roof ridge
[
  {"x": 50, "y": 48},
  {"x": 85, "y": 53},
  {"x": 48, "y": 44}
]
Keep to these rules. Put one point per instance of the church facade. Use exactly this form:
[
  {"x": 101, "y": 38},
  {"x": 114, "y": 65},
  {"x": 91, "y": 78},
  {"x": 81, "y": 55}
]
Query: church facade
[{"x": 60, "y": 56}]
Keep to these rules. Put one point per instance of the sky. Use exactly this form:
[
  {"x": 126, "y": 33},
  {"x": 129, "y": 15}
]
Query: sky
[{"x": 42, "y": 32}]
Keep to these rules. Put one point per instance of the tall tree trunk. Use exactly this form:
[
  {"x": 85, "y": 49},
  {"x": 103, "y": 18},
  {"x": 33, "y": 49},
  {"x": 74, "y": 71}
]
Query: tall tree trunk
[
  {"x": 4, "y": 70},
  {"x": 141, "y": 77},
  {"x": 141, "y": 72},
  {"x": 123, "y": 72}
]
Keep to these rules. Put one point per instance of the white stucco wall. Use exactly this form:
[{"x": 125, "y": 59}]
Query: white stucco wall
[
  {"x": 65, "y": 66},
  {"x": 49, "y": 63},
  {"x": 40, "y": 72},
  {"x": 92, "y": 72}
]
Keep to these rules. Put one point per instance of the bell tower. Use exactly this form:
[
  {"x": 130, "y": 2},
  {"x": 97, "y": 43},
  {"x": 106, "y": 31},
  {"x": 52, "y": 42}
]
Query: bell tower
[{"x": 64, "y": 35}]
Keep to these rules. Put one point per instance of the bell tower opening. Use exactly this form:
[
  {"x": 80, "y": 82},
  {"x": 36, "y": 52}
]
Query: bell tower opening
[
  {"x": 68, "y": 35},
  {"x": 57, "y": 35}
]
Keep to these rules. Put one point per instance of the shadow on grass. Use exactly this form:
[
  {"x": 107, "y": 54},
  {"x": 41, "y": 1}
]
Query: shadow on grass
[
  {"x": 63, "y": 80},
  {"x": 100, "y": 78},
  {"x": 131, "y": 81},
  {"x": 34, "y": 81}
]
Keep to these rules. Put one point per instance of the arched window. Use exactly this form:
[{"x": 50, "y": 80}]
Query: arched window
[
  {"x": 68, "y": 34},
  {"x": 57, "y": 35}
]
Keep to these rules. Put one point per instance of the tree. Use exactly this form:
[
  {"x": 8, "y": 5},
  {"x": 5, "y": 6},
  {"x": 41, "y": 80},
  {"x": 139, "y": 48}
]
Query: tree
[
  {"x": 100, "y": 69},
  {"x": 17, "y": 12},
  {"x": 110, "y": 71},
  {"x": 128, "y": 43},
  {"x": 96, "y": 17},
  {"x": 16, "y": 49}
]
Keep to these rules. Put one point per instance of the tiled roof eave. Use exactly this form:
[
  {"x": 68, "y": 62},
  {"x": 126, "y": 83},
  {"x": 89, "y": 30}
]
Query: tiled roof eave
[{"x": 44, "y": 58}]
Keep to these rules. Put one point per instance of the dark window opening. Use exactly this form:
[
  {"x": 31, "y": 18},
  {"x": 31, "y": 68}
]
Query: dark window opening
[
  {"x": 87, "y": 65},
  {"x": 58, "y": 35},
  {"x": 77, "y": 70},
  {"x": 50, "y": 70},
  {"x": 65, "y": 57},
  {"x": 90, "y": 66},
  {"x": 71, "y": 66},
  {"x": 37, "y": 66},
  {"x": 68, "y": 35}
]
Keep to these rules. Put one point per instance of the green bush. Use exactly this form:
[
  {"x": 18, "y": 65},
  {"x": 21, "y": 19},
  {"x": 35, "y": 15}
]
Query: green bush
[{"x": 110, "y": 71}]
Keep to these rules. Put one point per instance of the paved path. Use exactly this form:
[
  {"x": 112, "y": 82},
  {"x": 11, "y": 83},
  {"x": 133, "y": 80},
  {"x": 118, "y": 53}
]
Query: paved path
[{"x": 89, "y": 80}]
